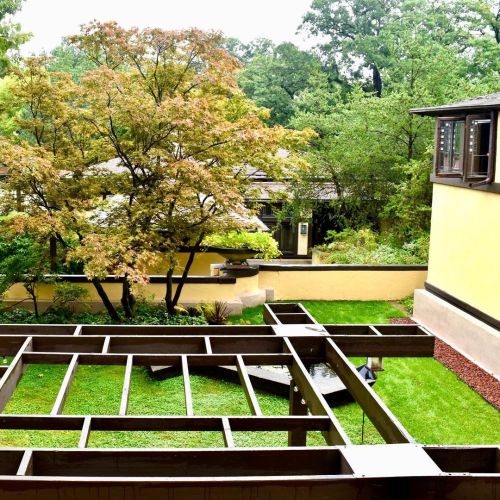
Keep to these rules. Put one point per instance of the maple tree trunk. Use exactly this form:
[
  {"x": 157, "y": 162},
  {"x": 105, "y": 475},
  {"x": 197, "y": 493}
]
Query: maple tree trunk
[
  {"x": 105, "y": 300},
  {"x": 185, "y": 273},
  {"x": 169, "y": 293},
  {"x": 30, "y": 288},
  {"x": 171, "y": 302},
  {"x": 127, "y": 299}
]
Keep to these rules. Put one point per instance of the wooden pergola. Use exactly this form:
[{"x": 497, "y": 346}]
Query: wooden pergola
[{"x": 401, "y": 468}]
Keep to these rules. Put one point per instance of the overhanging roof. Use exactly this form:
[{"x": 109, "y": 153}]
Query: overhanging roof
[{"x": 483, "y": 103}]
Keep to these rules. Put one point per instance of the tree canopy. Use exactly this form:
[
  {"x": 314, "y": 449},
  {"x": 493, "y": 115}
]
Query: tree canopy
[
  {"x": 11, "y": 36},
  {"x": 144, "y": 154}
]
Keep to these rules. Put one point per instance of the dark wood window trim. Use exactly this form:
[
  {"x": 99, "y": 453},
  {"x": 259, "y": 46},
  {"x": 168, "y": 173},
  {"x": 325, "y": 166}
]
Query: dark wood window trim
[
  {"x": 465, "y": 179},
  {"x": 489, "y": 178},
  {"x": 494, "y": 187}
]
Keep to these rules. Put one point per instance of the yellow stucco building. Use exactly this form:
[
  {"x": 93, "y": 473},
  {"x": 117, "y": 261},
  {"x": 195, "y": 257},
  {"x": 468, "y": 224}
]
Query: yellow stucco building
[{"x": 461, "y": 299}]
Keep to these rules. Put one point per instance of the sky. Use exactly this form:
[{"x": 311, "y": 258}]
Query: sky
[{"x": 50, "y": 20}]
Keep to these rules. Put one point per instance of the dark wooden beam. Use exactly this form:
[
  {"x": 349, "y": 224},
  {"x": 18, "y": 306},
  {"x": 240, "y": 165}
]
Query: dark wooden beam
[
  {"x": 152, "y": 423},
  {"x": 26, "y": 465},
  {"x": 386, "y": 345},
  {"x": 227, "y": 434},
  {"x": 208, "y": 345},
  {"x": 155, "y": 359},
  {"x": 296, "y": 406},
  {"x": 105, "y": 347},
  {"x": 65, "y": 386},
  {"x": 126, "y": 385},
  {"x": 382, "y": 418},
  {"x": 315, "y": 401},
  {"x": 383, "y": 340},
  {"x": 85, "y": 434},
  {"x": 13, "y": 374},
  {"x": 188, "y": 398},
  {"x": 246, "y": 383}
]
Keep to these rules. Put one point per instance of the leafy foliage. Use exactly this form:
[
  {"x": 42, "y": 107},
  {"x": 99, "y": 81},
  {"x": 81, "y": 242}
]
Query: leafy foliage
[
  {"x": 147, "y": 314},
  {"x": 363, "y": 247},
  {"x": 11, "y": 36},
  {"x": 139, "y": 156},
  {"x": 69, "y": 59},
  {"x": 274, "y": 78},
  {"x": 24, "y": 260},
  {"x": 263, "y": 243}
]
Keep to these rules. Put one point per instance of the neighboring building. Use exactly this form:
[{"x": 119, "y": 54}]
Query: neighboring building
[
  {"x": 461, "y": 300},
  {"x": 295, "y": 238}
]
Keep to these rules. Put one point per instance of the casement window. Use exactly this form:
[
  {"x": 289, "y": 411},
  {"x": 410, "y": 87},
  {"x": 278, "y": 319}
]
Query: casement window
[
  {"x": 479, "y": 146},
  {"x": 465, "y": 148},
  {"x": 450, "y": 147}
]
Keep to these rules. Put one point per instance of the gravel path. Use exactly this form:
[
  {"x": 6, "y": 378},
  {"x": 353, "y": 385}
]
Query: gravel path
[{"x": 476, "y": 378}]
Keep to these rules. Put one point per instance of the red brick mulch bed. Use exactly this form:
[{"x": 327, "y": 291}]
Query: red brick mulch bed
[
  {"x": 402, "y": 321},
  {"x": 482, "y": 382}
]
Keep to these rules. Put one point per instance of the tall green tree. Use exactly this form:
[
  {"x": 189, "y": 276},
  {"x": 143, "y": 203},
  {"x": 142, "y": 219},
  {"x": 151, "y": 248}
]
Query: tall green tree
[
  {"x": 482, "y": 18},
  {"x": 352, "y": 30},
  {"x": 69, "y": 59},
  {"x": 245, "y": 52},
  {"x": 273, "y": 79},
  {"x": 11, "y": 37},
  {"x": 372, "y": 148}
]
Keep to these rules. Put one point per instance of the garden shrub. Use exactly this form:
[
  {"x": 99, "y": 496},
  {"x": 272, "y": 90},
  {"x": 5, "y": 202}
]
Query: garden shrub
[
  {"x": 148, "y": 314},
  {"x": 364, "y": 246},
  {"x": 263, "y": 243}
]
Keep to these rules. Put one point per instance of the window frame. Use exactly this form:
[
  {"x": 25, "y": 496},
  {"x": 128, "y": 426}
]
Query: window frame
[
  {"x": 468, "y": 176},
  {"x": 465, "y": 175},
  {"x": 437, "y": 152}
]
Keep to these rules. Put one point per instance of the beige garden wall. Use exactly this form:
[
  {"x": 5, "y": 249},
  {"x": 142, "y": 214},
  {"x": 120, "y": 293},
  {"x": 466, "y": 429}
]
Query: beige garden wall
[
  {"x": 192, "y": 292},
  {"x": 272, "y": 282},
  {"x": 343, "y": 284},
  {"x": 200, "y": 267}
]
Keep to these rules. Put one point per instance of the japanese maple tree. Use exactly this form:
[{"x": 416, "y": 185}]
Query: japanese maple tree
[{"x": 148, "y": 153}]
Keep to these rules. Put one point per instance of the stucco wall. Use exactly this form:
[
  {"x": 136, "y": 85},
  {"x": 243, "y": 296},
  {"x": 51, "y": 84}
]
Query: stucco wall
[
  {"x": 474, "y": 339},
  {"x": 191, "y": 292},
  {"x": 465, "y": 246},
  {"x": 324, "y": 283},
  {"x": 200, "y": 267},
  {"x": 342, "y": 285}
]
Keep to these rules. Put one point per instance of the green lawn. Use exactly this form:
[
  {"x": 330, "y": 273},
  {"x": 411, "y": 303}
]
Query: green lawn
[
  {"x": 339, "y": 312},
  {"x": 431, "y": 402}
]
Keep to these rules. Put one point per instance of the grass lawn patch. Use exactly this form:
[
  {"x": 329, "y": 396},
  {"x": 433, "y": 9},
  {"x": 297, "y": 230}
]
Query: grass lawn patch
[
  {"x": 333, "y": 312},
  {"x": 37, "y": 390},
  {"x": 154, "y": 439},
  {"x": 149, "y": 396},
  {"x": 38, "y": 439},
  {"x": 96, "y": 390}
]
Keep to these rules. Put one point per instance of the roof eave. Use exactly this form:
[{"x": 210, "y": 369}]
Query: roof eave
[{"x": 451, "y": 111}]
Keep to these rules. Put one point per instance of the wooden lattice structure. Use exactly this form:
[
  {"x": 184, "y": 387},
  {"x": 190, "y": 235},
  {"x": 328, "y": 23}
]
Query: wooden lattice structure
[{"x": 400, "y": 469}]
